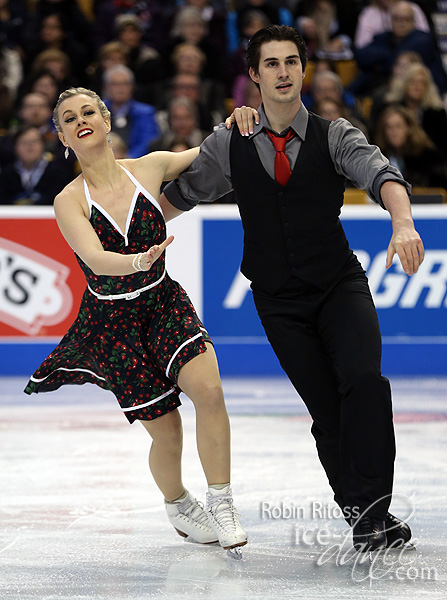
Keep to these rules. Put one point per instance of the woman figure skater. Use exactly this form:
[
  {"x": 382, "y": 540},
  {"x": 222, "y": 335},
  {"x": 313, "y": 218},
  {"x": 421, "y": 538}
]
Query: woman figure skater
[{"x": 137, "y": 333}]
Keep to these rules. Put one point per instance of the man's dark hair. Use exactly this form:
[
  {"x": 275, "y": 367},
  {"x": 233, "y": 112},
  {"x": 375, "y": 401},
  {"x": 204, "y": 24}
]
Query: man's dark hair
[{"x": 277, "y": 33}]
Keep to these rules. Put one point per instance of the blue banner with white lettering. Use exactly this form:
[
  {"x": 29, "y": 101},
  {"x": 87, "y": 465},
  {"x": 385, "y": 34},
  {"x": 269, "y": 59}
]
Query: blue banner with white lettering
[{"x": 412, "y": 310}]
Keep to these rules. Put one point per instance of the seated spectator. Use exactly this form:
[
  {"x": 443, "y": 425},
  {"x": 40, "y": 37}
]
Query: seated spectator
[
  {"x": 214, "y": 13},
  {"x": 313, "y": 67},
  {"x": 152, "y": 15},
  {"x": 400, "y": 66},
  {"x": 110, "y": 54},
  {"x": 34, "y": 111},
  {"x": 188, "y": 86},
  {"x": 42, "y": 82},
  {"x": 417, "y": 92},
  {"x": 275, "y": 13},
  {"x": 376, "y": 59},
  {"x": 319, "y": 27},
  {"x": 54, "y": 34},
  {"x": 407, "y": 146},
  {"x": 376, "y": 18},
  {"x": 332, "y": 109},
  {"x": 251, "y": 22},
  {"x": 69, "y": 12},
  {"x": 144, "y": 61},
  {"x": 329, "y": 109},
  {"x": 189, "y": 26},
  {"x": 32, "y": 179},
  {"x": 58, "y": 64},
  {"x": 134, "y": 121},
  {"x": 326, "y": 84},
  {"x": 347, "y": 13},
  {"x": 180, "y": 121},
  {"x": 188, "y": 59}
]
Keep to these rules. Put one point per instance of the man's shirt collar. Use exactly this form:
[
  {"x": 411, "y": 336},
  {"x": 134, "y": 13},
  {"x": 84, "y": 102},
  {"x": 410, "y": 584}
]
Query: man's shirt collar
[{"x": 299, "y": 123}]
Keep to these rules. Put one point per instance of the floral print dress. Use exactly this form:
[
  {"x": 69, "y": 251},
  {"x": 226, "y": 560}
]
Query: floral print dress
[{"x": 134, "y": 332}]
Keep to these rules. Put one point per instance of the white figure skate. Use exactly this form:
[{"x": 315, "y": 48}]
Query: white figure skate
[
  {"x": 225, "y": 521},
  {"x": 190, "y": 520}
]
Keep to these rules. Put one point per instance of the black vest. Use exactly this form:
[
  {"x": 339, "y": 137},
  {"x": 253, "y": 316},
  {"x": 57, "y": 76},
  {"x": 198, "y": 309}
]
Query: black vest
[{"x": 290, "y": 231}]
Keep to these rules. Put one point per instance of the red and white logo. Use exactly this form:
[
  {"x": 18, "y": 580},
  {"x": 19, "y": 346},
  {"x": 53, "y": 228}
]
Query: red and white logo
[{"x": 33, "y": 288}]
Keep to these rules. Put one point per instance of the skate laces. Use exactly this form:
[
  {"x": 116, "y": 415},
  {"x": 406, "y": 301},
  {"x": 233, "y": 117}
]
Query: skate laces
[
  {"x": 366, "y": 525},
  {"x": 222, "y": 509},
  {"x": 194, "y": 510}
]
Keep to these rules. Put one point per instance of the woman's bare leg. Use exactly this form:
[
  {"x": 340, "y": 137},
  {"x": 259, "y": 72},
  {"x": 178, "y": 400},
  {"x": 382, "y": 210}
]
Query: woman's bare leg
[
  {"x": 183, "y": 510},
  {"x": 166, "y": 453},
  {"x": 200, "y": 381}
]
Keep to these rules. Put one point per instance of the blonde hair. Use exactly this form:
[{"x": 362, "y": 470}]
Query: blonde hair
[
  {"x": 399, "y": 87},
  {"x": 52, "y": 54},
  {"x": 112, "y": 47},
  {"x": 71, "y": 93}
]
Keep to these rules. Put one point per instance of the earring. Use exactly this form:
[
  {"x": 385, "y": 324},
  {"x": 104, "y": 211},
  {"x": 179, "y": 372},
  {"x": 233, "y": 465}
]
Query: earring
[
  {"x": 67, "y": 152},
  {"x": 109, "y": 139}
]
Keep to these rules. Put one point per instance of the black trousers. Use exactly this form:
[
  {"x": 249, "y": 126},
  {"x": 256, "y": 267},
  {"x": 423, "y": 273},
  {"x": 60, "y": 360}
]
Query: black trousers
[{"x": 329, "y": 344}]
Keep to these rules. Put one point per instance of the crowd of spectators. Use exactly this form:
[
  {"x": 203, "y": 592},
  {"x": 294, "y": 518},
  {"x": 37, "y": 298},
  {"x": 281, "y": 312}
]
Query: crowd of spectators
[{"x": 170, "y": 70}]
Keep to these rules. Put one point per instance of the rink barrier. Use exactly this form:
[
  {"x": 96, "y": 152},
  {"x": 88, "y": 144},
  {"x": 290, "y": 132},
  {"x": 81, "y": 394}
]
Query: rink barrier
[{"x": 41, "y": 285}]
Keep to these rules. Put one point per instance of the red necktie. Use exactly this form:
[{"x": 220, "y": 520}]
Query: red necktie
[{"x": 282, "y": 166}]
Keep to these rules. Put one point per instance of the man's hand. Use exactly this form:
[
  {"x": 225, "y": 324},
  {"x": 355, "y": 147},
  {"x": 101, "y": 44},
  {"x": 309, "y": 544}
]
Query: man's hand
[
  {"x": 406, "y": 243},
  {"x": 244, "y": 118}
]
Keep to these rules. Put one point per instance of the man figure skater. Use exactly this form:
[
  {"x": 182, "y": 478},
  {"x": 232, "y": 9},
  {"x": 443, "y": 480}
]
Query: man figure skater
[{"x": 287, "y": 174}]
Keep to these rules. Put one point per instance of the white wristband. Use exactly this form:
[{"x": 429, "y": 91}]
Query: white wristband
[
  {"x": 137, "y": 259},
  {"x": 140, "y": 268}
]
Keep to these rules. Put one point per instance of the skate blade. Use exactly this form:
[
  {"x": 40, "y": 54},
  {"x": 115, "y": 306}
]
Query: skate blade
[
  {"x": 235, "y": 553},
  {"x": 408, "y": 546},
  {"x": 235, "y": 545}
]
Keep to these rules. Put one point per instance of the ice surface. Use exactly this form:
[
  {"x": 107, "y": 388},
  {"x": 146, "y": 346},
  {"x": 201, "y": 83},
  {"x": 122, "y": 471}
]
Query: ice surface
[{"x": 81, "y": 517}]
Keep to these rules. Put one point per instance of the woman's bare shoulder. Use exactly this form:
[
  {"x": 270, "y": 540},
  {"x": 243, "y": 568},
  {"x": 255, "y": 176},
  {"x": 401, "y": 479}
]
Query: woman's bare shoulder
[
  {"x": 148, "y": 169},
  {"x": 72, "y": 196},
  {"x": 153, "y": 159}
]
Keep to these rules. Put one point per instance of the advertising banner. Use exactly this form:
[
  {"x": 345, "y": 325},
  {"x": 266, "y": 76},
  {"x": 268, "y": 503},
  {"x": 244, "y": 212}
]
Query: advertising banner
[
  {"x": 412, "y": 310},
  {"x": 40, "y": 286}
]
